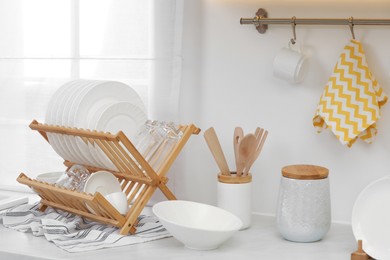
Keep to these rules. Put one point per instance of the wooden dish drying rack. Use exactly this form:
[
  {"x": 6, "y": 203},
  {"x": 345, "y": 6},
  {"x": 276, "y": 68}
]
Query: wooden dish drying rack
[{"x": 138, "y": 179}]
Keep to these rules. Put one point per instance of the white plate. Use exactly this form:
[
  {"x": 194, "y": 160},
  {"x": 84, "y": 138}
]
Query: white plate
[
  {"x": 79, "y": 153},
  {"x": 95, "y": 96},
  {"x": 49, "y": 177},
  {"x": 52, "y": 118},
  {"x": 95, "y": 150},
  {"x": 105, "y": 91},
  {"x": 71, "y": 105},
  {"x": 121, "y": 116},
  {"x": 103, "y": 182},
  {"x": 49, "y": 120},
  {"x": 115, "y": 117},
  {"x": 371, "y": 218},
  {"x": 63, "y": 103}
]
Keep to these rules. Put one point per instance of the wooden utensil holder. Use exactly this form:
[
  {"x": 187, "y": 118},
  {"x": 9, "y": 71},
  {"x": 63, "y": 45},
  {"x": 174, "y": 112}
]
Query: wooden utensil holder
[{"x": 137, "y": 178}]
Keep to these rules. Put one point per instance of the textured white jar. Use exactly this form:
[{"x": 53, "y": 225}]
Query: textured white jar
[
  {"x": 304, "y": 212},
  {"x": 235, "y": 195}
]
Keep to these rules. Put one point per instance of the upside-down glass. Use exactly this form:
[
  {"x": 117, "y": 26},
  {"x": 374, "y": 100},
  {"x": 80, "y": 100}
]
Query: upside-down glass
[
  {"x": 155, "y": 141},
  {"x": 74, "y": 178}
]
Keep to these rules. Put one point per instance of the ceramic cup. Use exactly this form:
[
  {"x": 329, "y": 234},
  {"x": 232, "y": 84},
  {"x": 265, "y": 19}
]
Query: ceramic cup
[
  {"x": 235, "y": 196},
  {"x": 118, "y": 200},
  {"x": 290, "y": 64}
]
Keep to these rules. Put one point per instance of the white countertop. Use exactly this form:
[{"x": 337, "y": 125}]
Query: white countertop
[{"x": 260, "y": 241}]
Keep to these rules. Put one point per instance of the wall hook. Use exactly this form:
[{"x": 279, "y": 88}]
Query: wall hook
[
  {"x": 294, "y": 39},
  {"x": 351, "y": 24}
]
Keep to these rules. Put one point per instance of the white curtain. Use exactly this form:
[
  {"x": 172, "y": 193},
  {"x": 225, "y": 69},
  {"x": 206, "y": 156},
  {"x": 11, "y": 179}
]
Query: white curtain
[
  {"x": 45, "y": 43},
  {"x": 164, "y": 96}
]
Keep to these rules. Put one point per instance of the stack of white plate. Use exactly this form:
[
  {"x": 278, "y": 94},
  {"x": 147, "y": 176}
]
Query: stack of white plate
[{"x": 107, "y": 106}]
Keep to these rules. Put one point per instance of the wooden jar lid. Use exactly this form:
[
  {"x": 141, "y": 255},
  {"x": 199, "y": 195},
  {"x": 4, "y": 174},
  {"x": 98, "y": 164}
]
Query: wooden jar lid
[{"x": 305, "y": 172}]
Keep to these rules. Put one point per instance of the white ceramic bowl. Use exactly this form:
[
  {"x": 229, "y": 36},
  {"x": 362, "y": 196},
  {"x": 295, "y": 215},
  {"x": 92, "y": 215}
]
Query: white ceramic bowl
[
  {"x": 49, "y": 177},
  {"x": 103, "y": 182},
  {"x": 118, "y": 200},
  {"x": 198, "y": 226}
]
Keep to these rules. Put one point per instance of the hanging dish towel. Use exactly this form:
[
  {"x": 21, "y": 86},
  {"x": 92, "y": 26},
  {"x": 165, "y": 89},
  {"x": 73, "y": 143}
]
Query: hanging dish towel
[
  {"x": 350, "y": 104},
  {"x": 73, "y": 233}
]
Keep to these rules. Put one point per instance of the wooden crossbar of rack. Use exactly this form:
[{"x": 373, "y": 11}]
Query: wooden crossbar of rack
[{"x": 137, "y": 178}]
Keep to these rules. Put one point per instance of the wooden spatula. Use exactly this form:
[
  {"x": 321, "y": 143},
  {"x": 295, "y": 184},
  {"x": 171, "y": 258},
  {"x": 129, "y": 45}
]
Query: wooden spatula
[
  {"x": 238, "y": 135},
  {"x": 216, "y": 149}
]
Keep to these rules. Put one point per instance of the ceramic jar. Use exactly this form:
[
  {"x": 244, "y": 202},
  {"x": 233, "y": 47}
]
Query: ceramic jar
[
  {"x": 303, "y": 211},
  {"x": 235, "y": 196}
]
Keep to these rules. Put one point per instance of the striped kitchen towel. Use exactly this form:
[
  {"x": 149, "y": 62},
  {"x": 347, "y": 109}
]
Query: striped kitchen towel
[
  {"x": 76, "y": 234},
  {"x": 350, "y": 104}
]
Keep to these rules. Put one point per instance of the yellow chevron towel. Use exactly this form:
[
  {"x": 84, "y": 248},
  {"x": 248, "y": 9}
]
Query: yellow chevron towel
[{"x": 350, "y": 104}]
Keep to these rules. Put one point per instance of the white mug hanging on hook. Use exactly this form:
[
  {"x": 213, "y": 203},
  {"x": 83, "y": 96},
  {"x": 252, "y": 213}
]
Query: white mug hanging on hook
[{"x": 290, "y": 63}]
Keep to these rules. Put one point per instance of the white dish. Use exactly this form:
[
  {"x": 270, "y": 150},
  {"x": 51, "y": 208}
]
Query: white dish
[
  {"x": 49, "y": 177},
  {"x": 51, "y": 117},
  {"x": 371, "y": 218},
  {"x": 94, "y": 96},
  {"x": 198, "y": 226},
  {"x": 106, "y": 91},
  {"x": 66, "y": 115},
  {"x": 61, "y": 140},
  {"x": 103, "y": 182},
  {"x": 71, "y": 106},
  {"x": 119, "y": 201},
  {"x": 121, "y": 116},
  {"x": 94, "y": 148},
  {"x": 115, "y": 117}
]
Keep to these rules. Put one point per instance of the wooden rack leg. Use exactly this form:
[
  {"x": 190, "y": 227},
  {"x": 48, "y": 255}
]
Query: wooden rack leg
[
  {"x": 360, "y": 254},
  {"x": 135, "y": 211},
  {"x": 42, "y": 207},
  {"x": 166, "y": 191}
]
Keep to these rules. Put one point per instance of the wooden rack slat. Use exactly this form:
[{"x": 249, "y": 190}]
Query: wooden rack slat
[{"x": 143, "y": 179}]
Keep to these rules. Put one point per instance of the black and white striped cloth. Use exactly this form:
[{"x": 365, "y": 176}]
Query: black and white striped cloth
[{"x": 76, "y": 234}]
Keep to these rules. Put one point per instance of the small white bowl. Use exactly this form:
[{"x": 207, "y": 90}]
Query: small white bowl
[
  {"x": 103, "y": 182},
  {"x": 49, "y": 177},
  {"x": 198, "y": 226},
  {"x": 118, "y": 200}
]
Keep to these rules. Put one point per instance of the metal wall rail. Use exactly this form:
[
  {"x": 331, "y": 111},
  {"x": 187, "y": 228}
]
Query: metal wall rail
[{"x": 261, "y": 21}]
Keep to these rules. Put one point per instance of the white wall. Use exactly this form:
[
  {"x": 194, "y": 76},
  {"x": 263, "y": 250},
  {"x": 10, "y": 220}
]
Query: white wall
[{"x": 228, "y": 82}]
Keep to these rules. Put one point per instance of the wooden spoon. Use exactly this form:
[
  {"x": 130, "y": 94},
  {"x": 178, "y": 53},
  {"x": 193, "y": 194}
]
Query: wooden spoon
[
  {"x": 246, "y": 148},
  {"x": 238, "y": 135},
  {"x": 261, "y": 135},
  {"x": 216, "y": 150}
]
